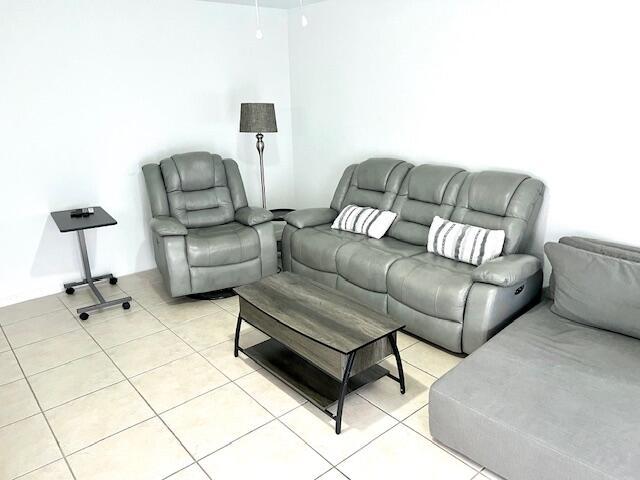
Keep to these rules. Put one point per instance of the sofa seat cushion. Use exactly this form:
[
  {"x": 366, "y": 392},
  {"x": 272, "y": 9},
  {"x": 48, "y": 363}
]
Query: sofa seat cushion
[
  {"x": 222, "y": 245},
  {"x": 430, "y": 284},
  {"x": 367, "y": 263},
  {"x": 318, "y": 247},
  {"x": 547, "y": 398}
]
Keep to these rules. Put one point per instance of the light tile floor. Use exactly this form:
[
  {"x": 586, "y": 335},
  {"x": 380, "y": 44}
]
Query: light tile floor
[{"x": 154, "y": 392}]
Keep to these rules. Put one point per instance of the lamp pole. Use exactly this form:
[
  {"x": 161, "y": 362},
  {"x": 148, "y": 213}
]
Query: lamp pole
[{"x": 260, "y": 147}]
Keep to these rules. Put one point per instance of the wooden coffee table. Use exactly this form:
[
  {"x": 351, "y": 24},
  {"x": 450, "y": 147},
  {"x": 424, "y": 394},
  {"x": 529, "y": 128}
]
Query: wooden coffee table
[{"x": 323, "y": 344}]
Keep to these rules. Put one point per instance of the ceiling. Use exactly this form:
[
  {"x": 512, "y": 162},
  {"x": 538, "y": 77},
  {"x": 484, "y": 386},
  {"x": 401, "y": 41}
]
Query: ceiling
[{"x": 268, "y": 3}]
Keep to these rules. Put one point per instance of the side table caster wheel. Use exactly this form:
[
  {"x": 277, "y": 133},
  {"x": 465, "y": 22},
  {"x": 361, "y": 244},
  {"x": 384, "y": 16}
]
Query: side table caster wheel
[
  {"x": 126, "y": 305},
  {"x": 84, "y": 316},
  {"x": 113, "y": 280},
  {"x": 70, "y": 291}
]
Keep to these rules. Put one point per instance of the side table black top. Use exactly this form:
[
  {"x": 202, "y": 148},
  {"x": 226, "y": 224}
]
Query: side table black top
[
  {"x": 280, "y": 213},
  {"x": 67, "y": 223}
]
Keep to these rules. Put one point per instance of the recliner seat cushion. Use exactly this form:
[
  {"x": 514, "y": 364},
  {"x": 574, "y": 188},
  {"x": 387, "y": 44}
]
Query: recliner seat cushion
[
  {"x": 367, "y": 263},
  {"x": 318, "y": 247},
  {"x": 433, "y": 285},
  {"x": 545, "y": 399},
  {"x": 226, "y": 244}
]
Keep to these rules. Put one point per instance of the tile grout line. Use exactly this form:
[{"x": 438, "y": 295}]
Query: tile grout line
[
  {"x": 20, "y": 419},
  {"x": 144, "y": 399},
  {"x": 55, "y": 437},
  {"x": 441, "y": 447},
  {"x": 55, "y": 295},
  {"x": 83, "y": 395},
  {"x": 111, "y": 435},
  {"x": 23, "y": 475},
  {"x": 367, "y": 444},
  {"x": 279, "y": 419},
  {"x": 62, "y": 364},
  {"x": 47, "y": 338},
  {"x": 273, "y": 419},
  {"x": 183, "y": 469}
]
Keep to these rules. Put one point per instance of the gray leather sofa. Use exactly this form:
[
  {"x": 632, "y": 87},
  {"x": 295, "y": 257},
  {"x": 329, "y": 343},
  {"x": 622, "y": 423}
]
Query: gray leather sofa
[
  {"x": 205, "y": 236},
  {"x": 551, "y": 398},
  {"x": 452, "y": 304}
]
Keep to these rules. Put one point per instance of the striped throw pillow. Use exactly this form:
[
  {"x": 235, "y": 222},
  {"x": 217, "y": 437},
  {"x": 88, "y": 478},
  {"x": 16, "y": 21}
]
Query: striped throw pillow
[
  {"x": 464, "y": 243},
  {"x": 364, "y": 220}
]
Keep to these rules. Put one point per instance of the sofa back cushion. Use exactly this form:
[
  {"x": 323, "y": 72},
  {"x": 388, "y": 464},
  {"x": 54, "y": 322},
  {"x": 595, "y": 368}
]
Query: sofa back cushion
[
  {"x": 595, "y": 289},
  {"x": 427, "y": 191},
  {"x": 373, "y": 183},
  {"x": 197, "y": 189},
  {"x": 500, "y": 201},
  {"x": 610, "y": 249}
]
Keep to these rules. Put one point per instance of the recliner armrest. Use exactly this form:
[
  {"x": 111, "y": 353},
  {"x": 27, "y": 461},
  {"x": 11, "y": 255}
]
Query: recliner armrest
[
  {"x": 507, "y": 271},
  {"x": 311, "y": 217},
  {"x": 251, "y": 216},
  {"x": 167, "y": 226}
]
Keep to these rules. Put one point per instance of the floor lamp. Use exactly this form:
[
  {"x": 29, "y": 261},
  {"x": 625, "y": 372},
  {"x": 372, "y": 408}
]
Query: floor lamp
[{"x": 258, "y": 118}]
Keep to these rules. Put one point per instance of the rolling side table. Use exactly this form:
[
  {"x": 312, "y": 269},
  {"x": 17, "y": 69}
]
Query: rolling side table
[{"x": 67, "y": 223}]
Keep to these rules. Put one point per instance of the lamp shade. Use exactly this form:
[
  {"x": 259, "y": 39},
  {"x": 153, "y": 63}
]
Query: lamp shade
[{"x": 258, "y": 118}]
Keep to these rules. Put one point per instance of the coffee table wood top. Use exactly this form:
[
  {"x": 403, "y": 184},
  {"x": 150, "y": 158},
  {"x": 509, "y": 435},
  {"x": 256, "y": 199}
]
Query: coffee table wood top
[{"x": 318, "y": 312}]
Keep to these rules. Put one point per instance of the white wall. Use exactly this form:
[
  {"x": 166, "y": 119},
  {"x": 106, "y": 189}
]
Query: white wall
[
  {"x": 91, "y": 90},
  {"x": 548, "y": 87}
]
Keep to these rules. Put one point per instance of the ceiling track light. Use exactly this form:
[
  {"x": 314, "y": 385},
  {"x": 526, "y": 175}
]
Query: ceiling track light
[
  {"x": 303, "y": 17},
  {"x": 258, "y": 29}
]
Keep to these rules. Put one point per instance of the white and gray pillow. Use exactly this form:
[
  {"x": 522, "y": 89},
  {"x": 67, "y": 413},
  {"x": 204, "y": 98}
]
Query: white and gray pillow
[
  {"x": 364, "y": 220},
  {"x": 464, "y": 243}
]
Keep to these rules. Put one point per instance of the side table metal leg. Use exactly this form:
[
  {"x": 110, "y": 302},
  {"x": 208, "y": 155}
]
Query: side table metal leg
[
  {"x": 87, "y": 268},
  {"x": 343, "y": 391},
  {"x": 89, "y": 279},
  {"x": 236, "y": 341},
  {"x": 396, "y": 353}
]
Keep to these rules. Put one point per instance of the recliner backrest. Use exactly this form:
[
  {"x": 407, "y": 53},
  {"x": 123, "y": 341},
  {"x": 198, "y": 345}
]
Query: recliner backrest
[
  {"x": 501, "y": 201},
  {"x": 372, "y": 183},
  {"x": 202, "y": 189},
  {"x": 426, "y": 192}
]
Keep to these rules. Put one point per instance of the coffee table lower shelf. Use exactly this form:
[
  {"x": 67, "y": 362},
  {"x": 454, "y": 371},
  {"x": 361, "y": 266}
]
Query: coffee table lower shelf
[{"x": 312, "y": 383}]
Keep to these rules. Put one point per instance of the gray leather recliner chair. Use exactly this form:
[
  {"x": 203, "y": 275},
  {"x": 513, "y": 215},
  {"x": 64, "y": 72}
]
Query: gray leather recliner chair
[{"x": 205, "y": 236}]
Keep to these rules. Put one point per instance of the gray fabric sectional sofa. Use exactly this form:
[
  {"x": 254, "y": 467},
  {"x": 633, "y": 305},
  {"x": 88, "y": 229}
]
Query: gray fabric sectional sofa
[
  {"x": 455, "y": 305},
  {"x": 556, "y": 395}
]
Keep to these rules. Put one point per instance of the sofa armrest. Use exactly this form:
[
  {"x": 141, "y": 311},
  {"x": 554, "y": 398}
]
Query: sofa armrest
[
  {"x": 507, "y": 271},
  {"x": 251, "y": 216},
  {"x": 167, "y": 226},
  {"x": 311, "y": 217}
]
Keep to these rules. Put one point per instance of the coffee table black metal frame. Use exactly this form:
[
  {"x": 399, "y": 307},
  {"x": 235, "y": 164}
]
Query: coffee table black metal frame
[
  {"x": 265, "y": 353},
  {"x": 67, "y": 223}
]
